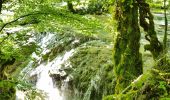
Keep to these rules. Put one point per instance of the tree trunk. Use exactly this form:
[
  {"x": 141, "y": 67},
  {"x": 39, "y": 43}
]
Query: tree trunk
[
  {"x": 1, "y": 1},
  {"x": 155, "y": 47},
  {"x": 166, "y": 28},
  {"x": 127, "y": 59},
  {"x": 70, "y": 7}
]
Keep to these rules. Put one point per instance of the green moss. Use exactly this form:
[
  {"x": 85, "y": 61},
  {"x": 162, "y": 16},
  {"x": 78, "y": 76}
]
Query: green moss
[
  {"x": 152, "y": 85},
  {"x": 127, "y": 59},
  {"x": 93, "y": 70},
  {"x": 7, "y": 90},
  {"x": 110, "y": 97},
  {"x": 65, "y": 42}
]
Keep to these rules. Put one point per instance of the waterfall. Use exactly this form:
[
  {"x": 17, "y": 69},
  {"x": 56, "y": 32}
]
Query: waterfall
[
  {"x": 20, "y": 95},
  {"x": 45, "y": 82},
  {"x": 45, "y": 70}
]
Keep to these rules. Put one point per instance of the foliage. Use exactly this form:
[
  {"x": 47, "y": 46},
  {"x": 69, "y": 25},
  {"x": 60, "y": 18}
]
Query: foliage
[
  {"x": 29, "y": 91},
  {"x": 150, "y": 85},
  {"x": 6, "y": 50},
  {"x": 7, "y": 89},
  {"x": 58, "y": 19},
  {"x": 99, "y": 6}
]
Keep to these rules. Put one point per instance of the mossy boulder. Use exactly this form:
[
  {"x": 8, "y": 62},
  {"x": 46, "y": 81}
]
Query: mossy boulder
[{"x": 92, "y": 70}]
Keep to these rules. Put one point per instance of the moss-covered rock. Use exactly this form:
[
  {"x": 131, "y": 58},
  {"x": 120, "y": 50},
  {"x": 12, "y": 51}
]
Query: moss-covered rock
[{"x": 92, "y": 70}]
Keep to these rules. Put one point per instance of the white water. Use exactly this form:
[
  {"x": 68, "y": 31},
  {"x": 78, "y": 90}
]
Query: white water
[
  {"x": 45, "y": 82},
  {"x": 20, "y": 95}
]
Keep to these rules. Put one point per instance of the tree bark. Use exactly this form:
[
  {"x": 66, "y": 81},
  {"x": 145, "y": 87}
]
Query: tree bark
[
  {"x": 155, "y": 47},
  {"x": 166, "y": 28},
  {"x": 70, "y": 7},
  {"x": 1, "y": 1},
  {"x": 127, "y": 59}
]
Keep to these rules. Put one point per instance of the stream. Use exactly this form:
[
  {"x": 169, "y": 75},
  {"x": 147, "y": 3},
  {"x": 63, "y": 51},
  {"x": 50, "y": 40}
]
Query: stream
[
  {"x": 47, "y": 74},
  {"x": 45, "y": 82}
]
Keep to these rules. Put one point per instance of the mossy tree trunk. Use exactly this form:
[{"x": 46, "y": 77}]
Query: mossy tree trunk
[
  {"x": 127, "y": 59},
  {"x": 146, "y": 21}
]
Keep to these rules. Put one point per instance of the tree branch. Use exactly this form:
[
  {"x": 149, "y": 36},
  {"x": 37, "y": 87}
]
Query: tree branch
[{"x": 30, "y": 14}]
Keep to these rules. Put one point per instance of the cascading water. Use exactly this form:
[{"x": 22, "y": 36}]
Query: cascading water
[
  {"x": 45, "y": 84},
  {"x": 44, "y": 81}
]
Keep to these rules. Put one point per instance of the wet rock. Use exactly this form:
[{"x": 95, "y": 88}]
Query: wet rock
[
  {"x": 58, "y": 75},
  {"x": 33, "y": 79}
]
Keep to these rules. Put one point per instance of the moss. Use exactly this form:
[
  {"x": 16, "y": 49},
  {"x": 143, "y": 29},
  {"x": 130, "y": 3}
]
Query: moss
[
  {"x": 14, "y": 69},
  {"x": 150, "y": 86},
  {"x": 127, "y": 59},
  {"x": 7, "y": 89},
  {"x": 65, "y": 42},
  {"x": 93, "y": 70},
  {"x": 155, "y": 47},
  {"x": 110, "y": 97}
]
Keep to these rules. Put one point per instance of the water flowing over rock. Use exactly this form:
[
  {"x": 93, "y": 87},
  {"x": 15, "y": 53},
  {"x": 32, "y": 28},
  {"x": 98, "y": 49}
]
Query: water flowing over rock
[
  {"x": 63, "y": 67},
  {"x": 45, "y": 82},
  {"x": 47, "y": 73},
  {"x": 20, "y": 95}
]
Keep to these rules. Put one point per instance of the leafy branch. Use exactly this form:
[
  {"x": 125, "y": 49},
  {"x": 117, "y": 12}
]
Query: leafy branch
[
  {"x": 30, "y": 14},
  {"x": 40, "y": 13}
]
